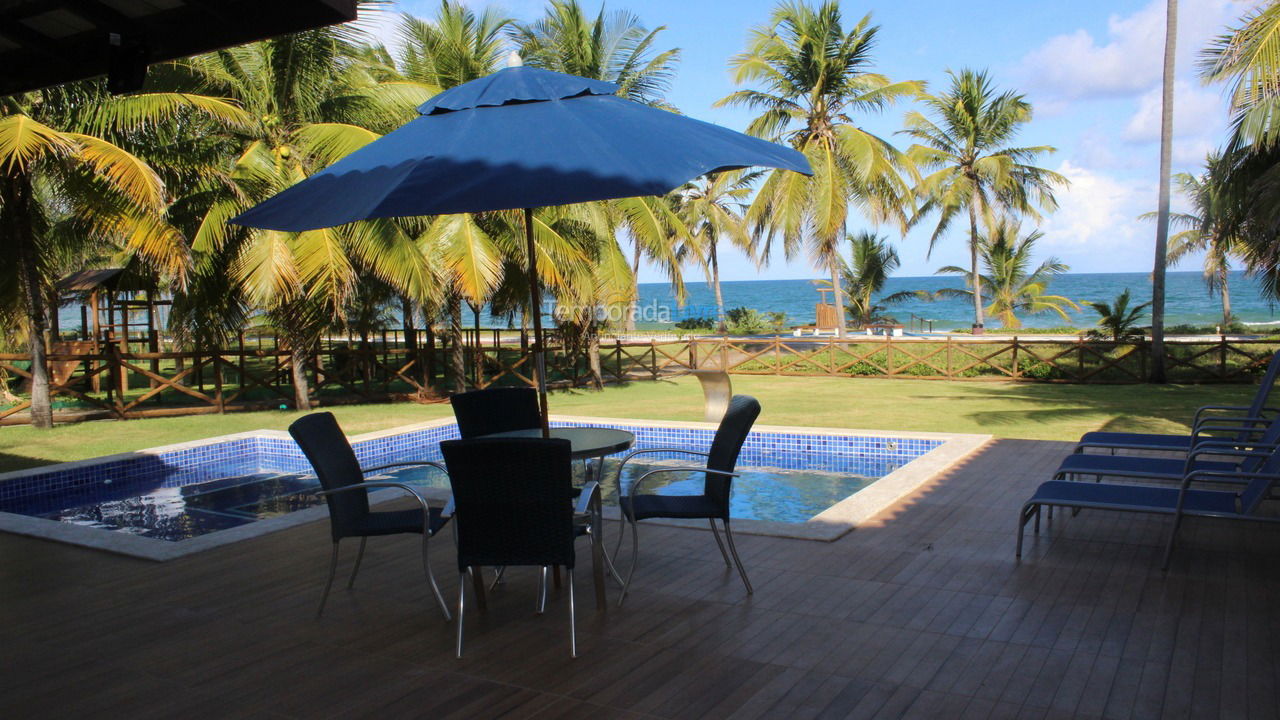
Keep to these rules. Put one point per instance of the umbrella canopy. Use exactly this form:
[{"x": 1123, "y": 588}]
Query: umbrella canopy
[{"x": 519, "y": 138}]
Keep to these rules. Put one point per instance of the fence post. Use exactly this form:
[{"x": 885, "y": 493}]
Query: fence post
[
  {"x": 777, "y": 356},
  {"x": 1222, "y": 357},
  {"x": 653, "y": 356},
  {"x": 1017, "y": 372},
  {"x": 724, "y": 353},
  {"x": 618, "y": 351},
  {"x": 217, "y": 383},
  {"x": 693, "y": 353},
  {"x": 115, "y": 373},
  {"x": 950, "y": 373},
  {"x": 888, "y": 353}
]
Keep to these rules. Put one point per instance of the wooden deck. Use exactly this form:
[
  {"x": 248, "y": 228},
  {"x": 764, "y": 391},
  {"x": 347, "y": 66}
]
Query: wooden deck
[{"x": 923, "y": 613}]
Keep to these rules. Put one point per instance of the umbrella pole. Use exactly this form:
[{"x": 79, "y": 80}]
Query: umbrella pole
[{"x": 535, "y": 298}]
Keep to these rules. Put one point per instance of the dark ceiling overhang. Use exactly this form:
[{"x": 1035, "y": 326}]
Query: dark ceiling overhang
[{"x": 46, "y": 42}]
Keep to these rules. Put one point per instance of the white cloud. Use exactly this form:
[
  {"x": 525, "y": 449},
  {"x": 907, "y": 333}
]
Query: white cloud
[
  {"x": 1096, "y": 227},
  {"x": 1197, "y": 111},
  {"x": 1129, "y": 59}
]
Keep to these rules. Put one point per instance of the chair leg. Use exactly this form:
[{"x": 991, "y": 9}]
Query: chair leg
[
  {"x": 462, "y": 607},
  {"x": 573, "y": 620},
  {"x": 728, "y": 534},
  {"x": 333, "y": 569},
  {"x": 635, "y": 558},
  {"x": 431, "y": 579},
  {"x": 719, "y": 544},
  {"x": 359, "y": 556},
  {"x": 1173, "y": 537},
  {"x": 540, "y": 605},
  {"x": 1025, "y": 514}
]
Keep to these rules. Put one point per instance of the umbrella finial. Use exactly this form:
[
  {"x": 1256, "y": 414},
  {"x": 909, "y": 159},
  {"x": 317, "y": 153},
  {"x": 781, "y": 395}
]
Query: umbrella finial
[{"x": 514, "y": 59}]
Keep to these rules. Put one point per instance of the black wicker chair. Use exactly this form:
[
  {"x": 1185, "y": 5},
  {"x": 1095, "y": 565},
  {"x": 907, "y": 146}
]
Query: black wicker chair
[
  {"x": 514, "y": 506},
  {"x": 712, "y": 504},
  {"x": 346, "y": 493},
  {"x": 484, "y": 412}
]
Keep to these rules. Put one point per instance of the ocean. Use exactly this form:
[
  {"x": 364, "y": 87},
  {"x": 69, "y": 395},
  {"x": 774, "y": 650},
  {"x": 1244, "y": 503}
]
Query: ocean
[{"x": 1188, "y": 301}]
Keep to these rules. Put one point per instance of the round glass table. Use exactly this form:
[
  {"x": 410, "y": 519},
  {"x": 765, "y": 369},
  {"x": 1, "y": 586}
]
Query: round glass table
[{"x": 586, "y": 443}]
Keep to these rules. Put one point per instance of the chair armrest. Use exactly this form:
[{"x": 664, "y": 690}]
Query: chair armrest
[
  {"x": 375, "y": 484},
  {"x": 1233, "y": 449},
  {"x": 1218, "y": 408},
  {"x": 426, "y": 509},
  {"x": 1245, "y": 420},
  {"x": 635, "y": 486},
  {"x": 414, "y": 463},
  {"x": 590, "y": 491},
  {"x": 622, "y": 464}
]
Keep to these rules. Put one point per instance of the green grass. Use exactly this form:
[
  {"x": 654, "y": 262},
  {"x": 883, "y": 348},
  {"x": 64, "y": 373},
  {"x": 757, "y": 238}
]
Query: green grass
[{"x": 1015, "y": 410}]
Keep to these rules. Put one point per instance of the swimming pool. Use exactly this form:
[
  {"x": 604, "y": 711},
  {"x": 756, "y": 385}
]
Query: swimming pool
[{"x": 203, "y": 494}]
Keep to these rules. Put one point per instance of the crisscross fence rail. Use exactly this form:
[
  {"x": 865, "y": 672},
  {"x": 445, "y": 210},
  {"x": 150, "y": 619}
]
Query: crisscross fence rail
[{"x": 117, "y": 382}]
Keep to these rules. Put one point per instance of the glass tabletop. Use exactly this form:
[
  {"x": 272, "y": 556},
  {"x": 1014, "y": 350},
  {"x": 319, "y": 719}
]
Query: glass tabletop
[{"x": 585, "y": 442}]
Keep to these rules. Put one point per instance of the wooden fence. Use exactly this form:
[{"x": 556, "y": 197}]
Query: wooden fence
[{"x": 117, "y": 382}]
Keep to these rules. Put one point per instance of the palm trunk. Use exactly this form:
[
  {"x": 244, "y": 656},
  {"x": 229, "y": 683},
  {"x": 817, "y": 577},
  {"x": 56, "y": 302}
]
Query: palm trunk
[
  {"x": 979, "y": 322},
  {"x": 17, "y": 199},
  {"x": 841, "y": 329},
  {"x": 457, "y": 361},
  {"x": 1226, "y": 296},
  {"x": 838, "y": 293},
  {"x": 298, "y": 357},
  {"x": 721, "y": 327},
  {"x": 635, "y": 298},
  {"x": 1162, "y": 211},
  {"x": 593, "y": 354}
]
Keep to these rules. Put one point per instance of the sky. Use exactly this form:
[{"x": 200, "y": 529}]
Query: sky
[{"x": 1090, "y": 68}]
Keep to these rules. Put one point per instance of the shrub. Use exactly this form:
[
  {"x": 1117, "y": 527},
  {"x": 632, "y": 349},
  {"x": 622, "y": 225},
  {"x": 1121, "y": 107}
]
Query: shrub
[
  {"x": 745, "y": 321},
  {"x": 697, "y": 323}
]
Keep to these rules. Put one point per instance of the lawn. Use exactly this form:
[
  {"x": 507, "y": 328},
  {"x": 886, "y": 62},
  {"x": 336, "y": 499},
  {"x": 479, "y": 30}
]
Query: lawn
[{"x": 1016, "y": 410}]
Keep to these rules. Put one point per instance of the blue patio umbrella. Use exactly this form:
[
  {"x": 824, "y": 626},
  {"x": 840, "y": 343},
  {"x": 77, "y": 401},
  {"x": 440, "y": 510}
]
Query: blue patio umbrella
[{"x": 520, "y": 138}]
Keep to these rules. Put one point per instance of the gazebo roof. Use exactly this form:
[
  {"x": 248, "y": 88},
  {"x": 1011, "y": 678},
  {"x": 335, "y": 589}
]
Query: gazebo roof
[
  {"x": 46, "y": 42},
  {"x": 115, "y": 279}
]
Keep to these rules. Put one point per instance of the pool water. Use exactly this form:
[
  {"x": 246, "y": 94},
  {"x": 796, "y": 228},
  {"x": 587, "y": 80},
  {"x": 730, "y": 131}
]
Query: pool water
[
  {"x": 183, "y": 492},
  {"x": 177, "y": 513}
]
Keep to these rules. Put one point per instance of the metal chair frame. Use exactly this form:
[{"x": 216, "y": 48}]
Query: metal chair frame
[
  {"x": 629, "y": 514},
  {"x": 426, "y": 531}
]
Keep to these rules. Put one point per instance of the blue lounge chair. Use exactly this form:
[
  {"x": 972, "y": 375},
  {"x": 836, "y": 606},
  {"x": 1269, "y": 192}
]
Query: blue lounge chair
[
  {"x": 1255, "y": 415},
  {"x": 1239, "y": 455},
  {"x": 1183, "y": 501}
]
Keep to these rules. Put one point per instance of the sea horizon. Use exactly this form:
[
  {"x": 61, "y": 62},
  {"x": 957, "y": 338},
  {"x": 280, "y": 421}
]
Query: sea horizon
[{"x": 1188, "y": 300}]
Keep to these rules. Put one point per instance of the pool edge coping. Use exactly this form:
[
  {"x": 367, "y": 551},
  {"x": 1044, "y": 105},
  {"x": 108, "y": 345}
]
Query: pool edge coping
[{"x": 827, "y": 526}]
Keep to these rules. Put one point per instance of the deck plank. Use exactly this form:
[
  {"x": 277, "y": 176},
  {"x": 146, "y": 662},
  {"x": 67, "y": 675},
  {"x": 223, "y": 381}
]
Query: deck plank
[{"x": 921, "y": 612}]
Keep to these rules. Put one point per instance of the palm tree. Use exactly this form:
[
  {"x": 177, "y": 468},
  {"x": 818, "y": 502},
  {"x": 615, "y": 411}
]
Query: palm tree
[
  {"x": 1162, "y": 204},
  {"x": 62, "y": 178},
  {"x": 1117, "y": 318},
  {"x": 873, "y": 260},
  {"x": 616, "y": 48},
  {"x": 975, "y": 170},
  {"x": 1010, "y": 286},
  {"x": 815, "y": 76},
  {"x": 313, "y": 99},
  {"x": 711, "y": 208},
  {"x": 453, "y": 48},
  {"x": 1247, "y": 58},
  {"x": 1212, "y": 227}
]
